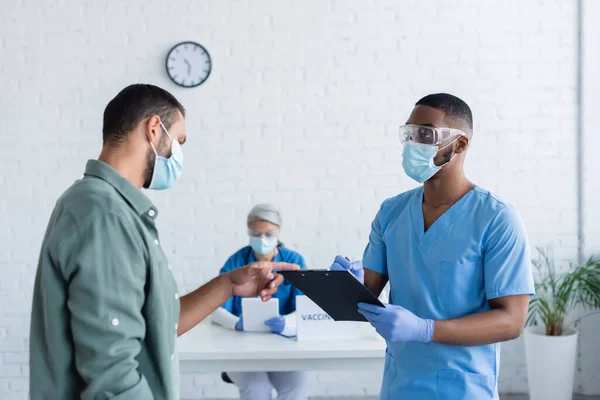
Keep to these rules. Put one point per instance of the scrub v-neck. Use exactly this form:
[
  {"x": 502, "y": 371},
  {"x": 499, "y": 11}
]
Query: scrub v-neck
[{"x": 428, "y": 238}]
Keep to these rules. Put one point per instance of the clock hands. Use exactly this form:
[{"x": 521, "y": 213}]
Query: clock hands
[{"x": 189, "y": 66}]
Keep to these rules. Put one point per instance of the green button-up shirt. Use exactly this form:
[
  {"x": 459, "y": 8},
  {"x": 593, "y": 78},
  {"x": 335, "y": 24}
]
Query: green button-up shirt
[{"x": 105, "y": 304}]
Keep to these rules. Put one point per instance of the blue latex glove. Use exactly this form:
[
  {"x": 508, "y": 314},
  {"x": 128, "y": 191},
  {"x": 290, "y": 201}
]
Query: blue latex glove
[
  {"x": 342, "y": 263},
  {"x": 278, "y": 326},
  {"x": 239, "y": 326},
  {"x": 397, "y": 324}
]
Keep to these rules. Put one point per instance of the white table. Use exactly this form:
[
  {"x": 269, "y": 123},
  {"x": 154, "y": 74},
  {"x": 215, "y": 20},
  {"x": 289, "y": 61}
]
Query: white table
[{"x": 210, "y": 348}]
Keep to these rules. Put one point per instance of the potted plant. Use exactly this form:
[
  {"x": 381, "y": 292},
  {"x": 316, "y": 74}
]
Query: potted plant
[{"x": 551, "y": 334}]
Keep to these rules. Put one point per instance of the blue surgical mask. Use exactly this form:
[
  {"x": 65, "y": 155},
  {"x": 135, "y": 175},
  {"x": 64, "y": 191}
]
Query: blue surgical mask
[
  {"x": 263, "y": 245},
  {"x": 417, "y": 160},
  {"x": 167, "y": 171}
]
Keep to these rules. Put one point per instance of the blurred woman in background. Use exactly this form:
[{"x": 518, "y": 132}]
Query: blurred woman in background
[{"x": 264, "y": 224}]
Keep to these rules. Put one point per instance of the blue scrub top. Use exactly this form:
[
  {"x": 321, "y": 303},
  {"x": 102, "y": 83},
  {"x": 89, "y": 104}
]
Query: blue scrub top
[
  {"x": 286, "y": 293},
  {"x": 476, "y": 251}
]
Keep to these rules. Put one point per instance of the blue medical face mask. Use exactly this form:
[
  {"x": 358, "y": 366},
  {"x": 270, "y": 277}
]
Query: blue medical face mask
[
  {"x": 417, "y": 160},
  {"x": 262, "y": 244},
  {"x": 167, "y": 171}
]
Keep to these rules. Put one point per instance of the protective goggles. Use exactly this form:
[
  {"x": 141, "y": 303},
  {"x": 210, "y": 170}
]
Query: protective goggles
[
  {"x": 268, "y": 233},
  {"x": 427, "y": 134}
]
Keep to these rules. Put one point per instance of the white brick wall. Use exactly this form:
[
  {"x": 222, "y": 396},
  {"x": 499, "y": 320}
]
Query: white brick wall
[
  {"x": 590, "y": 350},
  {"x": 301, "y": 110}
]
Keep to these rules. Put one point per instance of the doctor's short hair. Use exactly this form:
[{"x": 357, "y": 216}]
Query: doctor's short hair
[
  {"x": 264, "y": 212},
  {"x": 452, "y": 106},
  {"x": 134, "y": 104}
]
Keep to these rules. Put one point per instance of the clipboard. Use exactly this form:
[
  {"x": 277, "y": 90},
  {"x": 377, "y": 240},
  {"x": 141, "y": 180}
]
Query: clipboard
[{"x": 336, "y": 292}]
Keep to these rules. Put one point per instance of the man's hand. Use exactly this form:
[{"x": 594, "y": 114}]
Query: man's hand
[
  {"x": 397, "y": 324},
  {"x": 258, "y": 279}
]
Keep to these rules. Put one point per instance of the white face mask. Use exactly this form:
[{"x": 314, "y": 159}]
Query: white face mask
[
  {"x": 263, "y": 245},
  {"x": 167, "y": 171}
]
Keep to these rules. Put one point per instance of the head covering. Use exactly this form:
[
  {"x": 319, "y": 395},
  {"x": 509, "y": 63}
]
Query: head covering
[{"x": 264, "y": 212}]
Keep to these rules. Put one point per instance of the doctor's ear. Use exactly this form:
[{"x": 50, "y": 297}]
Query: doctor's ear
[{"x": 462, "y": 144}]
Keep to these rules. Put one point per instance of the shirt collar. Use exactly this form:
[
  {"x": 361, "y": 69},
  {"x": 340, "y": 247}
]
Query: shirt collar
[{"x": 136, "y": 199}]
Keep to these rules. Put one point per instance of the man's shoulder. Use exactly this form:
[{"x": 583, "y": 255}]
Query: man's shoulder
[
  {"x": 91, "y": 197},
  {"x": 85, "y": 202},
  {"x": 491, "y": 203},
  {"x": 400, "y": 200},
  {"x": 489, "y": 198},
  {"x": 496, "y": 211}
]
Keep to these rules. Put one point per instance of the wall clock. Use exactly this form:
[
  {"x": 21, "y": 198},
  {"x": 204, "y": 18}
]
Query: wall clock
[{"x": 188, "y": 64}]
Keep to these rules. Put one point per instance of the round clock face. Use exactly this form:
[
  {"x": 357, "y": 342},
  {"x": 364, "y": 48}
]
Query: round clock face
[{"x": 188, "y": 64}]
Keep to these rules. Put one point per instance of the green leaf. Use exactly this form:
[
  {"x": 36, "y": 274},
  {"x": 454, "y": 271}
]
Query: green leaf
[{"x": 558, "y": 294}]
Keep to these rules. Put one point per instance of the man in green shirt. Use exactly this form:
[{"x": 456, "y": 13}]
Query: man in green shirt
[{"x": 106, "y": 311}]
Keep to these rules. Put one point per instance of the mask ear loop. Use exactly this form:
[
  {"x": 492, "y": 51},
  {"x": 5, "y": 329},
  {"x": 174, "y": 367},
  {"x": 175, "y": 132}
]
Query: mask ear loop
[
  {"x": 455, "y": 154},
  {"x": 155, "y": 152},
  {"x": 169, "y": 136},
  {"x": 166, "y": 131}
]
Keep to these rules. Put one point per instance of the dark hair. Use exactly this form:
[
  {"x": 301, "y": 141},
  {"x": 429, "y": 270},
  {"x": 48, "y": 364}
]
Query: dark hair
[
  {"x": 452, "y": 106},
  {"x": 135, "y": 103}
]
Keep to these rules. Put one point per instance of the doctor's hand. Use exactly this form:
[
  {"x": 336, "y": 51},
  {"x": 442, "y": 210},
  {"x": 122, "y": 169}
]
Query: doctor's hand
[
  {"x": 239, "y": 326},
  {"x": 258, "y": 279},
  {"x": 276, "y": 324},
  {"x": 341, "y": 263},
  {"x": 283, "y": 325},
  {"x": 397, "y": 324}
]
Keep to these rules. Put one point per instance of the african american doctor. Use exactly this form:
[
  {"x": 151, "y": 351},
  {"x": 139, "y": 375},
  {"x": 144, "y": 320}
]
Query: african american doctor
[{"x": 457, "y": 261}]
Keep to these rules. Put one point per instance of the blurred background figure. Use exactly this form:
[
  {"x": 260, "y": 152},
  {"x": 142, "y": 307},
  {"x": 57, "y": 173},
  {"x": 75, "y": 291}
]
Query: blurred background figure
[{"x": 264, "y": 227}]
